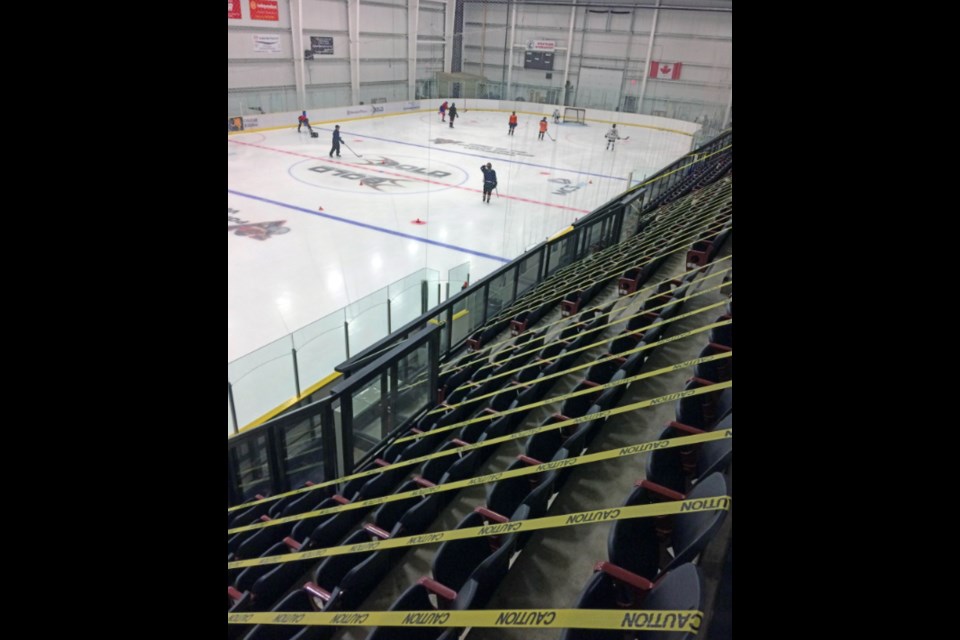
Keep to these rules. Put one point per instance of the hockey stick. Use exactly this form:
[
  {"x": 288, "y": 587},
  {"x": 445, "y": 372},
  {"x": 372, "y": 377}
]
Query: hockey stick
[
  {"x": 351, "y": 150},
  {"x": 550, "y": 136},
  {"x": 498, "y": 192}
]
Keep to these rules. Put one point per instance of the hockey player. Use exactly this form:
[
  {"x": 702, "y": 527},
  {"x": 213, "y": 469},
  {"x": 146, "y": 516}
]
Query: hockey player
[
  {"x": 304, "y": 121},
  {"x": 336, "y": 141},
  {"x": 489, "y": 181},
  {"x": 612, "y": 136}
]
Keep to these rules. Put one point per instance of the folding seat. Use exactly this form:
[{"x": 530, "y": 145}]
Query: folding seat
[
  {"x": 458, "y": 412},
  {"x": 658, "y": 300},
  {"x": 333, "y": 528},
  {"x": 571, "y": 331},
  {"x": 570, "y": 355},
  {"x": 597, "y": 327},
  {"x": 258, "y": 587},
  {"x": 570, "y": 304},
  {"x": 602, "y": 371},
  {"x": 483, "y": 383},
  {"x": 532, "y": 492},
  {"x": 675, "y": 305},
  {"x": 654, "y": 333},
  {"x": 368, "y": 569},
  {"x": 717, "y": 370},
  {"x": 723, "y": 334},
  {"x": 235, "y": 540},
  {"x": 351, "y": 488},
  {"x": 552, "y": 349},
  {"x": 455, "y": 379},
  {"x": 531, "y": 341},
  {"x": 297, "y": 601},
  {"x": 361, "y": 576},
  {"x": 433, "y": 470},
  {"x": 579, "y": 337},
  {"x": 484, "y": 335},
  {"x": 591, "y": 290},
  {"x": 328, "y": 575},
  {"x": 634, "y": 363},
  {"x": 534, "y": 505},
  {"x": 473, "y": 567},
  {"x": 529, "y": 372},
  {"x": 719, "y": 240},
  {"x": 498, "y": 403},
  {"x": 470, "y": 433},
  {"x": 415, "y": 598},
  {"x": 275, "y": 509},
  {"x": 391, "y": 452},
  {"x": 306, "y": 501},
  {"x": 636, "y": 544},
  {"x": 422, "y": 446},
  {"x": 302, "y": 528},
  {"x": 629, "y": 281},
  {"x": 678, "y": 468},
  {"x": 642, "y": 321},
  {"x": 613, "y": 588},
  {"x": 590, "y": 316},
  {"x": 544, "y": 445},
  {"x": 520, "y": 322},
  {"x": 572, "y": 447},
  {"x": 577, "y": 405},
  {"x": 506, "y": 352},
  {"x": 260, "y": 540},
  {"x": 465, "y": 575},
  {"x": 716, "y": 455},
  {"x": 702, "y": 411},
  {"x": 242, "y": 517}
]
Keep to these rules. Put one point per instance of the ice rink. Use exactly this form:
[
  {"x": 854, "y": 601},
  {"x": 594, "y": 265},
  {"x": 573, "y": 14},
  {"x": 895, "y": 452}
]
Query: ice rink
[{"x": 309, "y": 234}]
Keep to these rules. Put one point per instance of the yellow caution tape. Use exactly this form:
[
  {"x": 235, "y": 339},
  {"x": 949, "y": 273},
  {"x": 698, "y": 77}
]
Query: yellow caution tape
[
  {"x": 557, "y": 281},
  {"x": 587, "y": 347},
  {"x": 518, "y": 434},
  {"x": 610, "y": 454},
  {"x": 616, "y": 619},
  {"x": 703, "y": 219},
  {"x": 713, "y": 503},
  {"x": 571, "y": 320}
]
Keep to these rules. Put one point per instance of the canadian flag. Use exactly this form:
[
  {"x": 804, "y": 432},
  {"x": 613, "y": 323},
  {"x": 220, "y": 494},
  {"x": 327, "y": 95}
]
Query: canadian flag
[{"x": 665, "y": 70}]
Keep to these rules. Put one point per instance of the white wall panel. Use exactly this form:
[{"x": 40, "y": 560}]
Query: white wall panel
[
  {"x": 382, "y": 19},
  {"x": 325, "y": 14},
  {"x": 382, "y": 71},
  {"x": 430, "y": 22},
  {"x": 240, "y": 44},
  {"x": 373, "y": 46},
  {"x": 695, "y": 23},
  {"x": 271, "y": 74},
  {"x": 323, "y": 73}
]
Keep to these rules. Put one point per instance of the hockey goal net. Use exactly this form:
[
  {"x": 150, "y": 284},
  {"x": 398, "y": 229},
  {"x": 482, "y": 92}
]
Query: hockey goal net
[{"x": 577, "y": 116}]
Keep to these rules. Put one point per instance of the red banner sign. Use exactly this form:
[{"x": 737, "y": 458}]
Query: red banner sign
[
  {"x": 264, "y": 10},
  {"x": 233, "y": 10}
]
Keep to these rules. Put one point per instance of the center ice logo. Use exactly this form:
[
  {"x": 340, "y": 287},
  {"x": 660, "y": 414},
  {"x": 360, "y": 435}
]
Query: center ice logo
[
  {"x": 380, "y": 174},
  {"x": 384, "y": 161},
  {"x": 255, "y": 230},
  {"x": 379, "y": 183},
  {"x": 487, "y": 149},
  {"x": 566, "y": 186}
]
